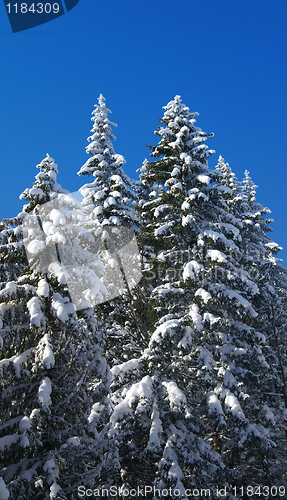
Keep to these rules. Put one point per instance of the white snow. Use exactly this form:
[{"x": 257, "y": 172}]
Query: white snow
[
  {"x": 35, "y": 246},
  {"x": 175, "y": 395},
  {"x": 49, "y": 228},
  {"x": 214, "y": 403},
  {"x": 57, "y": 237},
  {"x": 191, "y": 269},
  {"x": 9, "y": 289},
  {"x": 51, "y": 467},
  {"x": 214, "y": 235},
  {"x": 268, "y": 414},
  {"x": 36, "y": 315},
  {"x": 7, "y": 441},
  {"x": 252, "y": 286},
  {"x": 233, "y": 405},
  {"x": 4, "y": 493},
  {"x": 163, "y": 229},
  {"x": 132, "y": 364},
  {"x": 74, "y": 441},
  {"x": 186, "y": 339},
  {"x": 57, "y": 217},
  {"x": 25, "y": 424},
  {"x": 98, "y": 210},
  {"x": 62, "y": 308},
  {"x": 216, "y": 255},
  {"x": 178, "y": 185},
  {"x": 175, "y": 172},
  {"x": 187, "y": 220},
  {"x": 36, "y": 192},
  {"x": 233, "y": 294},
  {"x": 59, "y": 271},
  {"x": 34, "y": 413},
  {"x": 96, "y": 411},
  {"x": 195, "y": 316},
  {"x": 17, "y": 360},
  {"x": 167, "y": 328},
  {"x": 160, "y": 209},
  {"x": 175, "y": 471},
  {"x": 100, "y": 194},
  {"x": 230, "y": 401},
  {"x": 117, "y": 179},
  {"x": 44, "y": 392},
  {"x": 224, "y": 189},
  {"x": 204, "y": 179},
  {"x": 142, "y": 389},
  {"x": 273, "y": 246},
  {"x": 204, "y": 295},
  {"x": 186, "y": 158},
  {"x": 240, "y": 351},
  {"x": 109, "y": 201},
  {"x": 97, "y": 291},
  {"x": 45, "y": 352},
  {"x": 210, "y": 318},
  {"x": 155, "y": 430},
  {"x": 24, "y": 441},
  {"x": 229, "y": 379},
  {"x": 185, "y": 206},
  {"x": 205, "y": 356},
  {"x": 43, "y": 288}
]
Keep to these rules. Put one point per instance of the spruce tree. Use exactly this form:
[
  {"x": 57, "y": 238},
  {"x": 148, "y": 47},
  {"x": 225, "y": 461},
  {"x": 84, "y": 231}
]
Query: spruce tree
[
  {"x": 198, "y": 280},
  {"x": 261, "y": 261},
  {"x": 54, "y": 379},
  {"x": 109, "y": 200},
  {"x": 111, "y": 191}
]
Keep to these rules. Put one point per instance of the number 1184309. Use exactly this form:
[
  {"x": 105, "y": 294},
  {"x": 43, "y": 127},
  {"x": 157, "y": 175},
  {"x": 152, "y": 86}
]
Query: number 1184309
[
  {"x": 39, "y": 8},
  {"x": 262, "y": 491}
]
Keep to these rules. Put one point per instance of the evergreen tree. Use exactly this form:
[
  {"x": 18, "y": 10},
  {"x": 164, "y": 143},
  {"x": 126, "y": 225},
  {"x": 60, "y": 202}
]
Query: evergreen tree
[
  {"x": 109, "y": 201},
  {"x": 197, "y": 349},
  {"x": 198, "y": 280},
  {"x": 111, "y": 191},
  {"x": 45, "y": 186},
  {"x": 260, "y": 258},
  {"x": 54, "y": 379}
]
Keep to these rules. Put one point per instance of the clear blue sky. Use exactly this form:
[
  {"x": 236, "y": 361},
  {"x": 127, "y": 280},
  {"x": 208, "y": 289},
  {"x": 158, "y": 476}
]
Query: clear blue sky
[{"x": 226, "y": 58}]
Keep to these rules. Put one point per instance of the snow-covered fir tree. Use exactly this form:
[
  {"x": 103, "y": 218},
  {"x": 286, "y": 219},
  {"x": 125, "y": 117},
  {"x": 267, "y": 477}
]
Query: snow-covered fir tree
[
  {"x": 261, "y": 261},
  {"x": 54, "y": 379},
  {"x": 198, "y": 281},
  {"x": 110, "y": 200},
  {"x": 111, "y": 191},
  {"x": 44, "y": 187},
  {"x": 196, "y": 395}
]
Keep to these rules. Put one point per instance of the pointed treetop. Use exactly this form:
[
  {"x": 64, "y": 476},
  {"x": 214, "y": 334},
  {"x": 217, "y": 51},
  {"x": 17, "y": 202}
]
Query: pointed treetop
[
  {"x": 100, "y": 147},
  {"x": 248, "y": 187},
  {"x": 228, "y": 178},
  {"x": 111, "y": 190},
  {"x": 179, "y": 134},
  {"x": 175, "y": 108},
  {"x": 46, "y": 185}
]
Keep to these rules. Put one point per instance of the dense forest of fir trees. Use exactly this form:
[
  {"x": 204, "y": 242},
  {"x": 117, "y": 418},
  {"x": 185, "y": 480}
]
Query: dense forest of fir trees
[{"x": 175, "y": 384}]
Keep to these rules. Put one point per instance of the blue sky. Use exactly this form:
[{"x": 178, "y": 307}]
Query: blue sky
[{"x": 227, "y": 59}]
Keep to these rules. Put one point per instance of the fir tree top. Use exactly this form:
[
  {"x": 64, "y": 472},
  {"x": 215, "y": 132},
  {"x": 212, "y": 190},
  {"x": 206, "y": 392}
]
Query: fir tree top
[
  {"x": 111, "y": 191},
  {"x": 100, "y": 146},
  {"x": 179, "y": 134},
  {"x": 46, "y": 184}
]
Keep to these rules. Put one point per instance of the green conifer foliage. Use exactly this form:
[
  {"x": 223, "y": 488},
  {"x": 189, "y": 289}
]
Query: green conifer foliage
[
  {"x": 197, "y": 277},
  {"x": 54, "y": 380},
  {"x": 111, "y": 191},
  {"x": 110, "y": 201}
]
